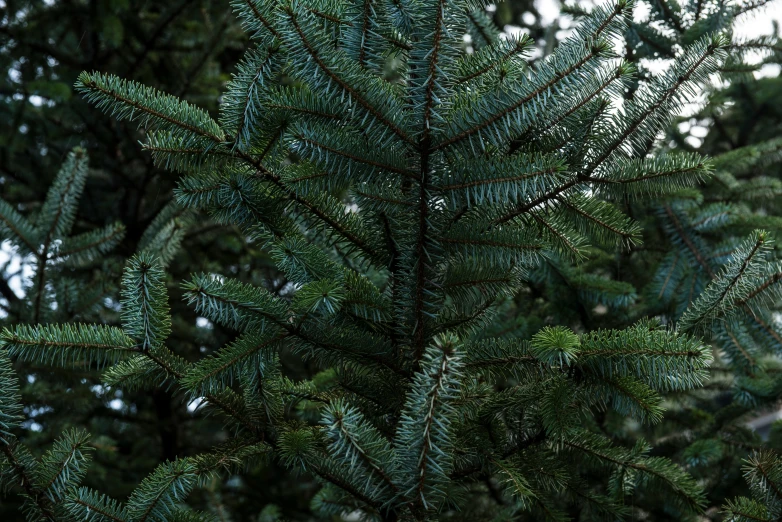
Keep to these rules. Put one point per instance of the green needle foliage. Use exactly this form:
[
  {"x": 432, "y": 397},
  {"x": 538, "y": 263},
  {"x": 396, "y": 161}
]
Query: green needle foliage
[
  {"x": 709, "y": 265},
  {"x": 45, "y": 240},
  {"x": 409, "y": 191},
  {"x": 763, "y": 472}
]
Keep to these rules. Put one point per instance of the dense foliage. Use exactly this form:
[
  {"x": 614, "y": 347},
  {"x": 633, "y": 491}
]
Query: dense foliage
[
  {"x": 409, "y": 282},
  {"x": 184, "y": 47}
]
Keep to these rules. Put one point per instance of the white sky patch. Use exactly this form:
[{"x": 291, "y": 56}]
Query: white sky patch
[
  {"x": 193, "y": 405},
  {"x": 515, "y": 30},
  {"x": 203, "y": 322},
  {"x": 693, "y": 141},
  {"x": 641, "y": 12},
  {"x": 548, "y": 10},
  {"x": 760, "y": 22},
  {"x": 18, "y": 268},
  {"x": 754, "y": 25},
  {"x": 769, "y": 70}
]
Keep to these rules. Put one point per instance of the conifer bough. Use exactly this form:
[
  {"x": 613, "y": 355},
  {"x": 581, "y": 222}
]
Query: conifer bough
[{"x": 405, "y": 208}]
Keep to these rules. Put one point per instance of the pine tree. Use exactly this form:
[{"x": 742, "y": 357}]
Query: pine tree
[
  {"x": 48, "y": 244},
  {"x": 709, "y": 264},
  {"x": 186, "y": 47},
  {"x": 407, "y": 191},
  {"x": 697, "y": 253}
]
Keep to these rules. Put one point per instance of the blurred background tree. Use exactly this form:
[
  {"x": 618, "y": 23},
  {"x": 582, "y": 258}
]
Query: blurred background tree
[{"x": 188, "y": 47}]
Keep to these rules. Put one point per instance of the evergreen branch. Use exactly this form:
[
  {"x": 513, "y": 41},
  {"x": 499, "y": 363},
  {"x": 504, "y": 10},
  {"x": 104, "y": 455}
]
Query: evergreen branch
[
  {"x": 654, "y": 467},
  {"x": 222, "y": 401},
  {"x": 157, "y": 494},
  {"x": 492, "y": 57},
  {"x": 421, "y": 256},
  {"x": 561, "y": 237},
  {"x": 157, "y": 110},
  {"x": 663, "y": 360},
  {"x": 264, "y": 174},
  {"x": 16, "y": 228},
  {"x": 340, "y": 482},
  {"x": 540, "y": 200},
  {"x": 164, "y": 236},
  {"x": 58, "y": 214},
  {"x": 514, "y": 481},
  {"x": 58, "y": 211},
  {"x": 91, "y": 506},
  {"x": 64, "y": 465},
  {"x": 309, "y": 139},
  {"x": 337, "y": 79},
  {"x": 145, "y": 312},
  {"x": 215, "y": 373},
  {"x": 68, "y": 344},
  {"x": 481, "y": 24},
  {"x": 557, "y": 76},
  {"x": 482, "y": 181},
  {"x": 734, "y": 341},
  {"x": 241, "y": 104},
  {"x": 449, "y": 142},
  {"x": 10, "y": 399},
  {"x": 622, "y": 72},
  {"x": 352, "y": 436},
  {"x": 423, "y": 436},
  {"x": 234, "y": 304},
  {"x": 247, "y": 308},
  {"x": 22, "y": 472},
  {"x": 687, "y": 241},
  {"x": 732, "y": 286},
  {"x": 712, "y": 49},
  {"x": 258, "y": 15},
  {"x": 87, "y": 247},
  {"x": 326, "y": 16},
  {"x": 746, "y": 510},
  {"x": 313, "y": 209},
  {"x": 614, "y": 223},
  {"x": 651, "y": 177},
  {"x": 632, "y": 398},
  {"x": 433, "y": 53},
  {"x": 335, "y": 225},
  {"x": 763, "y": 325},
  {"x": 490, "y": 355},
  {"x": 513, "y": 449},
  {"x": 366, "y": 13},
  {"x": 762, "y": 287}
]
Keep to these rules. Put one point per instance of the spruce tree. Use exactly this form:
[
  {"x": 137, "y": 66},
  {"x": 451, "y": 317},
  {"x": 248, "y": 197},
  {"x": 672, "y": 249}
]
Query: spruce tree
[
  {"x": 408, "y": 191},
  {"x": 187, "y": 47},
  {"x": 706, "y": 268}
]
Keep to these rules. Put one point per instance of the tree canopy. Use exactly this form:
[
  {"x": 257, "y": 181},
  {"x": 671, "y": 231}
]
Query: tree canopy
[{"x": 379, "y": 259}]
